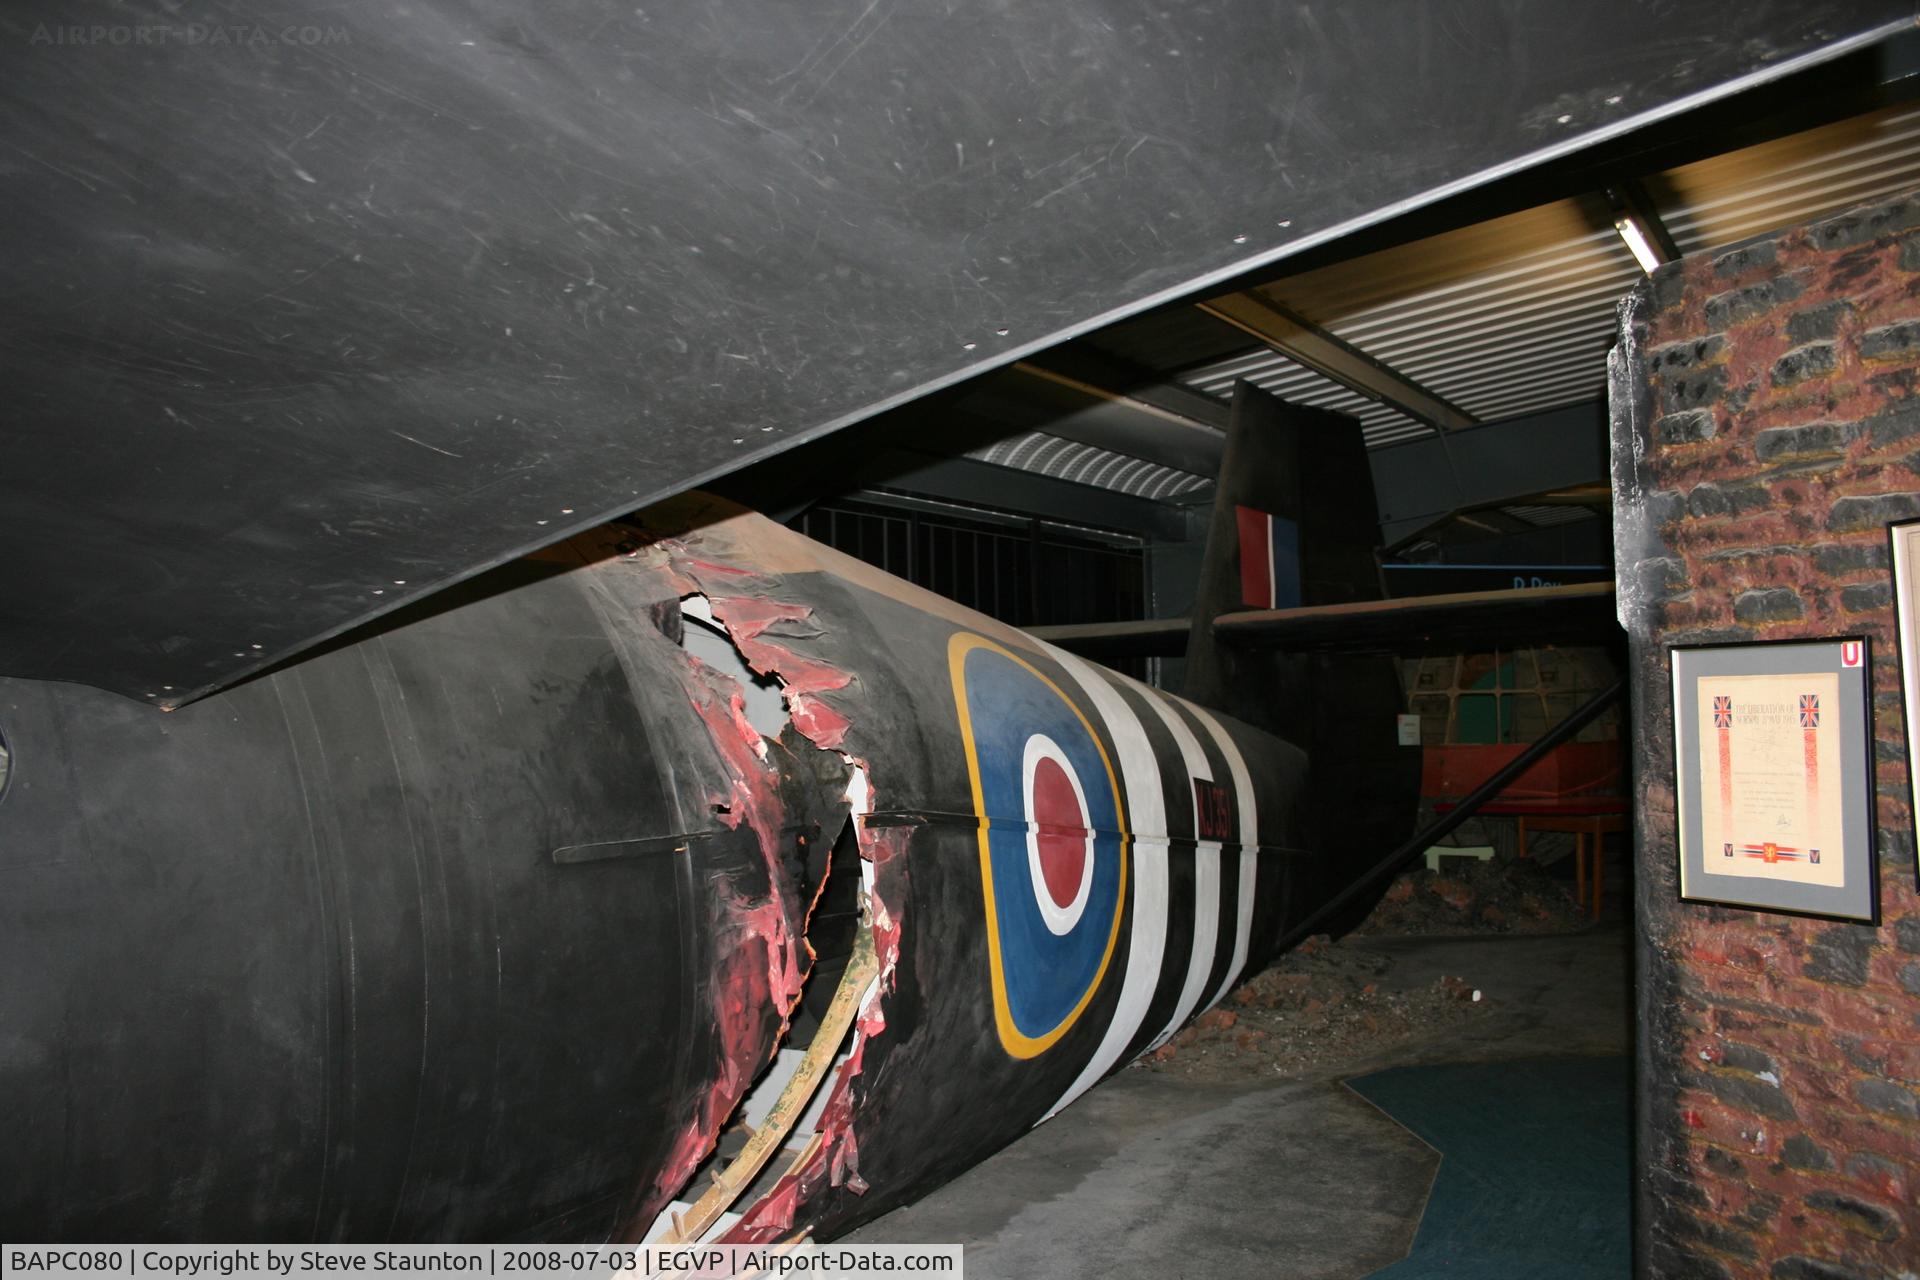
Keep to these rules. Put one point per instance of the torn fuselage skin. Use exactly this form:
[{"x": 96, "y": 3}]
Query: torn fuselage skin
[
  {"x": 475, "y": 926},
  {"x": 771, "y": 776},
  {"x": 483, "y": 922},
  {"x": 772, "y": 788},
  {"x": 1168, "y": 881}
]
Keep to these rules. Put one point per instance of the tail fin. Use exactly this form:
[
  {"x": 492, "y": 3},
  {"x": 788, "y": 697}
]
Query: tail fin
[{"x": 1295, "y": 523}]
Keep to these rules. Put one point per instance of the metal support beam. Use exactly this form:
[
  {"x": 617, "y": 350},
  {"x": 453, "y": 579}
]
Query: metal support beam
[
  {"x": 1421, "y": 481},
  {"x": 1306, "y": 343},
  {"x": 1108, "y": 377}
]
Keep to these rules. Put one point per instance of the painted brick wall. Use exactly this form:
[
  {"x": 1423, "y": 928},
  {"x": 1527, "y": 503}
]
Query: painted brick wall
[{"x": 1766, "y": 405}]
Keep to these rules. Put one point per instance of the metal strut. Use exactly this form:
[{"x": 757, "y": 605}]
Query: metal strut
[{"x": 1465, "y": 809}]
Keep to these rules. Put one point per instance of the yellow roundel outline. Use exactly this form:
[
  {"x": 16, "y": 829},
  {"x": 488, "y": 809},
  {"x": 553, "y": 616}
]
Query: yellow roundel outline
[{"x": 1012, "y": 1039}]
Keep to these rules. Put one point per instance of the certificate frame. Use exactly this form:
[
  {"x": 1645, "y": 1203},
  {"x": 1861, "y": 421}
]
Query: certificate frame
[
  {"x": 1903, "y": 549},
  {"x": 1774, "y": 778}
]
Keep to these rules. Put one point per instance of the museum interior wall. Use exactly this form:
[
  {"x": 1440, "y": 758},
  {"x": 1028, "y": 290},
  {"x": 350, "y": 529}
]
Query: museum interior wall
[{"x": 1766, "y": 430}]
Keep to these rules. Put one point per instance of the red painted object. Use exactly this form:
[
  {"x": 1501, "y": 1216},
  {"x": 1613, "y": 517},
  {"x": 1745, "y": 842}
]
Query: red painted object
[{"x": 1574, "y": 769}]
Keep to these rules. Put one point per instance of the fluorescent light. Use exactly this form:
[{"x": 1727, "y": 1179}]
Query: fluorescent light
[{"x": 1636, "y": 241}]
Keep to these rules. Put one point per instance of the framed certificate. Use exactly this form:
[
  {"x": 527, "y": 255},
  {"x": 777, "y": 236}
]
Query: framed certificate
[
  {"x": 1905, "y": 539},
  {"x": 1773, "y": 763}
]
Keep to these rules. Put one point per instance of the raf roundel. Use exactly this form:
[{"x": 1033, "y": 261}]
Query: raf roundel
[
  {"x": 1060, "y": 857},
  {"x": 1052, "y": 864}
]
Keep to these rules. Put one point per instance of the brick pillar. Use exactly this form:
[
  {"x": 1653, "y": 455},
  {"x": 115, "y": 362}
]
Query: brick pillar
[{"x": 1766, "y": 406}]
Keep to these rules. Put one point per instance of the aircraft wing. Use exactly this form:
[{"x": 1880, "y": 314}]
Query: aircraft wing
[{"x": 308, "y": 318}]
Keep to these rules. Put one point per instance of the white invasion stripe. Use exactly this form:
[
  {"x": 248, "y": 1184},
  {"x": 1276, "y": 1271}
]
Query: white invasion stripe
[
  {"x": 1206, "y": 933},
  {"x": 1249, "y": 847},
  {"x": 1146, "y": 811},
  {"x": 1206, "y": 871}
]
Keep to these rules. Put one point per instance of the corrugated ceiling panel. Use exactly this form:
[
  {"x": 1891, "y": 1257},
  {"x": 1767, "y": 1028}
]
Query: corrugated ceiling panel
[
  {"x": 1429, "y": 267},
  {"x": 1047, "y": 455},
  {"x": 1380, "y": 424},
  {"x": 1792, "y": 180},
  {"x": 1515, "y": 316},
  {"x": 1502, "y": 319},
  {"x": 1525, "y": 333}
]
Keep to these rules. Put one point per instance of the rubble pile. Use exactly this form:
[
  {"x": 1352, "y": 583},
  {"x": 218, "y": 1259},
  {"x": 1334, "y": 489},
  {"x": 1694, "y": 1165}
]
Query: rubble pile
[
  {"x": 1329, "y": 1006},
  {"x": 1495, "y": 896},
  {"x": 1321, "y": 1005}
]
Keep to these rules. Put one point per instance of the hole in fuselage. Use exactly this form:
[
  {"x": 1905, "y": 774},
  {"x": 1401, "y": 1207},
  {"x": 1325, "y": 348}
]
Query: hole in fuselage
[
  {"x": 831, "y": 932},
  {"x": 823, "y": 868},
  {"x": 707, "y": 640}
]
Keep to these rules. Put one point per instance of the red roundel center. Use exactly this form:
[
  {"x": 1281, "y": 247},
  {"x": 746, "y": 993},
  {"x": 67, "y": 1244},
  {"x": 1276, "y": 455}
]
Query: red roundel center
[{"x": 1062, "y": 834}]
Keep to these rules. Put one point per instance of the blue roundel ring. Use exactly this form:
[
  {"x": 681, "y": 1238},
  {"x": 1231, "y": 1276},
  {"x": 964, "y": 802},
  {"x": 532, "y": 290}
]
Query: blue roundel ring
[{"x": 1052, "y": 846}]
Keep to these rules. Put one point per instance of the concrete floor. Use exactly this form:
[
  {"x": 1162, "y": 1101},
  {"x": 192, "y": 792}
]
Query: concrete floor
[{"x": 1152, "y": 1175}]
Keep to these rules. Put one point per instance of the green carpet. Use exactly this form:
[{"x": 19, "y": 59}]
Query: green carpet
[{"x": 1535, "y": 1171}]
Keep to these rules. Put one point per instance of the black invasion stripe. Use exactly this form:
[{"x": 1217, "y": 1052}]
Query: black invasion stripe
[
  {"x": 1177, "y": 791},
  {"x": 1230, "y": 855}
]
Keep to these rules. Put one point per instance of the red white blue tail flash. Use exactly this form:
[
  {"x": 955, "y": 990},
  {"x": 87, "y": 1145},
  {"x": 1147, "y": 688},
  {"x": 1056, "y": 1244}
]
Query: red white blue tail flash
[{"x": 1269, "y": 560}]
